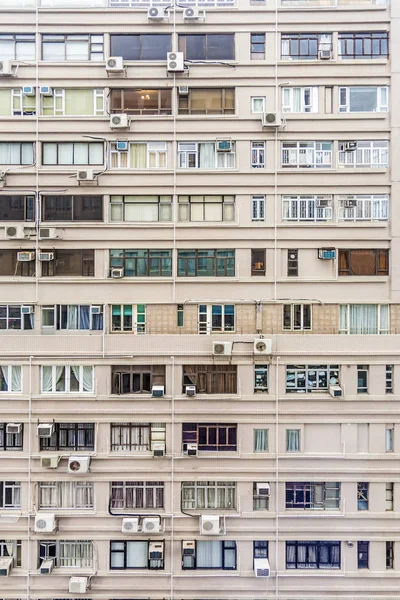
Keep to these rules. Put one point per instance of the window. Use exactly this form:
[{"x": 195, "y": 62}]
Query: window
[
  {"x": 364, "y": 208},
  {"x": 258, "y": 104},
  {"x": 136, "y": 379},
  {"x": 258, "y": 155},
  {"x": 11, "y": 441},
  {"x": 389, "y": 438},
  {"x": 364, "y": 319},
  {"x": 369, "y": 44},
  {"x": 10, "y": 266},
  {"x": 257, "y": 46},
  {"x": 70, "y": 153},
  {"x": 207, "y": 101},
  {"x": 137, "y": 494},
  {"x": 70, "y": 436},
  {"x": 67, "y": 379},
  {"x": 140, "y": 155},
  {"x": 72, "y": 317},
  {"x": 70, "y": 263},
  {"x": 212, "y": 554},
  {"x": 389, "y": 496},
  {"x": 390, "y": 555},
  {"x": 145, "y": 46},
  {"x": 307, "y": 208},
  {"x": 142, "y": 263},
  {"x": 367, "y": 154},
  {"x": 210, "y": 437},
  {"x": 362, "y": 555},
  {"x": 258, "y": 208},
  {"x": 363, "y": 99},
  {"x": 300, "y": 100},
  {"x": 304, "y": 46},
  {"x": 211, "y": 379},
  {"x": 136, "y": 437},
  {"x": 10, "y": 494},
  {"x": 313, "y": 555},
  {"x": 135, "y": 555},
  {"x": 202, "y": 495},
  {"x": 211, "y": 46},
  {"x": 292, "y": 440},
  {"x": 261, "y": 378},
  {"x": 313, "y": 496},
  {"x": 216, "y": 318},
  {"x": 311, "y": 378},
  {"x": 17, "y": 208},
  {"x": 362, "y": 379},
  {"x": 11, "y": 548},
  {"x": 203, "y": 155},
  {"x": 72, "y": 208},
  {"x": 78, "y": 47},
  {"x": 206, "y": 208},
  {"x": 292, "y": 263},
  {"x": 141, "y": 102},
  {"x": 18, "y": 46},
  {"x": 297, "y": 317},
  {"x": 65, "y": 494},
  {"x": 260, "y": 549},
  {"x": 67, "y": 553},
  {"x": 17, "y": 153},
  {"x": 71, "y": 102},
  {"x": 10, "y": 378},
  {"x": 141, "y": 209},
  {"x": 258, "y": 261},
  {"x": 362, "y": 495},
  {"x": 307, "y": 155},
  {"x": 260, "y": 500},
  {"x": 206, "y": 263},
  {"x": 363, "y": 262},
  {"x": 179, "y": 315},
  {"x": 14, "y": 103},
  {"x": 261, "y": 440},
  {"x": 128, "y": 317},
  {"x": 11, "y": 317},
  {"x": 389, "y": 379}
]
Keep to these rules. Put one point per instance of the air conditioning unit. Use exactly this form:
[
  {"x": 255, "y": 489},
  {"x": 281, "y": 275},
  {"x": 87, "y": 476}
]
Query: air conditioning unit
[
  {"x": 156, "y": 14},
  {"x": 157, "y": 391},
  {"x": 262, "y": 346},
  {"x": 189, "y": 548},
  {"x": 120, "y": 121},
  {"x": 325, "y": 54},
  {"x": 191, "y": 14},
  {"x": 209, "y": 525},
  {"x": 158, "y": 448},
  {"x": 263, "y": 489},
  {"x": 46, "y": 256},
  {"x": 156, "y": 550},
  {"x": 130, "y": 525},
  {"x": 45, "y": 523},
  {"x": 96, "y": 310},
  {"x": 27, "y": 309},
  {"x": 117, "y": 273},
  {"x": 175, "y": 62},
  {"x": 50, "y": 462},
  {"x": 15, "y": 232},
  {"x": 78, "y": 585},
  {"x": 322, "y": 203},
  {"x": 122, "y": 145},
  {"x": 190, "y": 390},
  {"x": 78, "y": 464},
  {"x": 350, "y": 203},
  {"x": 45, "y": 430},
  {"x": 222, "y": 348},
  {"x": 47, "y": 566},
  {"x": 271, "y": 120},
  {"x": 13, "y": 427},
  {"x": 327, "y": 253},
  {"x": 87, "y": 175},
  {"x": 335, "y": 391},
  {"x": 45, "y": 90},
  {"x": 7, "y": 68},
  {"x": 48, "y": 233},
  {"x": 25, "y": 256},
  {"x": 6, "y": 563},
  {"x": 183, "y": 90},
  {"x": 28, "y": 90},
  {"x": 224, "y": 145},
  {"x": 151, "y": 525},
  {"x": 191, "y": 449},
  {"x": 261, "y": 567},
  {"x": 349, "y": 146},
  {"x": 115, "y": 64}
]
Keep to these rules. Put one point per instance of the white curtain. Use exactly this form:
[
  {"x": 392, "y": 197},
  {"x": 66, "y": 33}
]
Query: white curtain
[
  {"x": 209, "y": 554},
  {"x": 207, "y": 155},
  {"x": 293, "y": 440},
  {"x": 16, "y": 378},
  {"x": 363, "y": 318},
  {"x": 72, "y": 316},
  {"x": 47, "y": 379},
  {"x": 10, "y": 153},
  {"x": 136, "y": 554},
  {"x": 4, "y": 370},
  {"x": 81, "y": 156},
  {"x": 296, "y": 100},
  {"x": 290, "y": 553},
  {"x": 389, "y": 439},
  {"x": 60, "y": 374},
  {"x": 87, "y": 379},
  {"x": 261, "y": 440},
  {"x": 66, "y": 154},
  {"x": 285, "y": 48}
]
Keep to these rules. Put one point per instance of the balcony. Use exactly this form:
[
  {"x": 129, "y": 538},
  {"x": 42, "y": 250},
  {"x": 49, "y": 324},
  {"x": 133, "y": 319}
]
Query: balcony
[{"x": 333, "y": 3}]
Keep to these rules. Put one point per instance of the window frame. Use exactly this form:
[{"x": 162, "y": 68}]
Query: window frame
[
  {"x": 295, "y": 317},
  {"x": 307, "y": 155},
  {"x": 23, "y": 148},
  {"x": 382, "y": 99},
  {"x": 64, "y": 38},
  {"x": 146, "y": 435},
  {"x": 306, "y": 107},
  {"x": 27, "y": 322},
  {"x": 344, "y": 262},
  {"x": 347, "y": 41},
  {"x": 292, "y": 262},
  {"x": 307, "y": 374},
  {"x": 162, "y": 99},
  {"x": 258, "y": 154},
  {"x": 184, "y": 104},
  {"x": 12, "y": 379},
  {"x": 347, "y": 327},
  {"x": 61, "y": 316},
  {"x": 258, "y": 207},
  {"x": 209, "y": 38},
  {"x": 11, "y": 441},
  {"x": 214, "y": 432},
  {"x": 206, "y": 315},
  {"x": 57, "y": 103},
  {"x": 257, "y": 46},
  {"x": 28, "y": 208},
  {"x": 211, "y": 379},
  {"x": 57, "y": 145},
  {"x": 12, "y": 489},
  {"x": 156, "y": 152},
  {"x": 151, "y": 494},
  {"x": 389, "y": 379},
  {"x": 259, "y": 502},
  {"x": 85, "y": 257},
  {"x": 362, "y": 555},
  {"x": 316, "y": 547},
  {"x": 71, "y": 491},
  {"x": 20, "y": 39},
  {"x": 72, "y": 435},
  {"x": 149, "y": 256},
  {"x": 123, "y": 374},
  {"x": 161, "y": 58},
  {"x": 305, "y": 496},
  {"x": 374, "y": 207},
  {"x": 226, "y": 549},
  {"x": 305, "y": 208},
  {"x": 207, "y": 490},
  {"x": 362, "y": 495},
  {"x": 79, "y": 551},
  {"x": 315, "y": 44},
  {"x": 68, "y": 373},
  {"x": 163, "y": 204},
  {"x": 137, "y": 317},
  {"x": 189, "y": 156},
  {"x": 74, "y": 200},
  {"x": 188, "y": 203},
  {"x": 368, "y": 154},
  {"x": 152, "y": 564},
  {"x": 223, "y": 262}
]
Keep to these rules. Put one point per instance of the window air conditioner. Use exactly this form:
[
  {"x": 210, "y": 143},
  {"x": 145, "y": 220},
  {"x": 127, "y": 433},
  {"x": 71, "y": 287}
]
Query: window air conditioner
[
  {"x": 350, "y": 203},
  {"x": 48, "y": 233},
  {"x": 78, "y": 464},
  {"x": 335, "y": 391},
  {"x": 120, "y": 121},
  {"x": 325, "y": 54},
  {"x": 117, "y": 273},
  {"x": 262, "y": 489},
  {"x": 261, "y": 567},
  {"x": 6, "y": 565},
  {"x": 78, "y": 585},
  {"x": 156, "y": 14},
  {"x": 15, "y": 232},
  {"x": 50, "y": 462},
  {"x": 175, "y": 62},
  {"x": 87, "y": 175},
  {"x": 327, "y": 253},
  {"x": 322, "y": 203},
  {"x": 158, "y": 448},
  {"x": 28, "y": 90},
  {"x": 7, "y": 68},
  {"x": 46, "y": 256},
  {"x": 224, "y": 145},
  {"x": 209, "y": 525},
  {"x": 47, "y": 566},
  {"x": 271, "y": 120},
  {"x": 191, "y": 449},
  {"x": 115, "y": 64},
  {"x": 27, "y": 309},
  {"x": 349, "y": 146},
  {"x": 156, "y": 550},
  {"x": 191, "y": 14},
  {"x": 45, "y": 90},
  {"x": 25, "y": 256},
  {"x": 157, "y": 391},
  {"x": 262, "y": 346},
  {"x": 189, "y": 548},
  {"x": 130, "y": 525},
  {"x": 45, "y": 430},
  {"x": 183, "y": 90},
  {"x": 96, "y": 310},
  {"x": 151, "y": 525},
  {"x": 13, "y": 427},
  {"x": 45, "y": 523},
  {"x": 222, "y": 348},
  {"x": 190, "y": 390},
  {"x": 122, "y": 145}
]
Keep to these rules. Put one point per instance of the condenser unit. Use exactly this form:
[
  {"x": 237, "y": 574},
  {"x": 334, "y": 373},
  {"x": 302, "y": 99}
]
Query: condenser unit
[
  {"x": 191, "y": 449},
  {"x": 120, "y": 121},
  {"x": 151, "y": 525},
  {"x": 45, "y": 90},
  {"x": 7, "y": 68},
  {"x": 78, "y": 464},
  {"x": 262, "y": 489},
  {"x": 156, "y": 14},
  {"x": 78, "y": 585},
  {"x": 115, "y": 64},
  {"x": 325, "y": 54},
  {"x": 175, "y": 62},
  {"x": 48, "y": 233},
  {"x": 271, "y": 119},
  {"x": 27, "y": 309},
  {"x": 191, "y": 14},
  {"x": 209, "y": 525},
  {"x": 6, "y": 564},
  {"x": 87, "y": 175},
  {"x": 156, "y": 550},
  {"x": 50, "y": 462},
  {"x": 117, "y": 273},
  {"x": 130, "y": 525},
  {"x": 45, "y": 523},
  {"x": 262, "y": 346},
  {"x": 222, "y": 348},
  {"x": 15, "y": 232}
]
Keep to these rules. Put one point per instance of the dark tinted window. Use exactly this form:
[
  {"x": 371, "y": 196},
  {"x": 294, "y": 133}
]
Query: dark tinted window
[
  {"x": 141, "y": 47},
  {"x": 213, "y": 46},
  {"x": 72, "y": 208},
  {"x": 17, "y": 208}
]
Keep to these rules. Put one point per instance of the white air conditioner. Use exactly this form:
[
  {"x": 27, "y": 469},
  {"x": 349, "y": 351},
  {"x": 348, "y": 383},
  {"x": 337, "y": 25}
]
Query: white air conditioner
[
  {"x": 352, "y": 203},
  {"x": 325, "y": 54},
  {"x": 271, "y": 120},
  {"x": 46, "y": 256},
  {"x": 25, "y": 256},
  {"x": 120, "y": 121},
  {"x": 335, "y": 391},
  {"x": 27, "y": 309},
  {"x": 261, "y": 567},
  {"x": 96, "y": 310},
  {"x": 78, "y": 464},
  {"x": 191, "y": 14},
  {"x": 156, "y": 550},
  {"x": 117, "y": 273},
  {"x": 6, "y": 564},
  {"x": 78, "y": 585},
  {"x": 156, "y": 14},
  {"x": 158, "y": 448},
  {"x": 209, "y": 525},
  {"x": 13, "y": 427},
  {"x": 157, "y": 391},
  {"x": 45, "y": 523},
  {"x": 262, "y": 346},
  {"x": 222, "y": 348},
  {"x": 327, "y": 253},
  {"x": 15, "y": 232},
  {"x": 151, "y": 525},
  {"x": 191, "y": 449},
  {"x": 190, "y": 390},
  {"x": 122, "y": 145},
  {"x": 175, "y": 62},
  {"x": 7, "y": 68},
  {"x": 50, "y": 462},
  {"x": 263, "y": 489},
  {"x": 183, "y": 90},
  {"x": 48, "y": 233},
  {"x": 47, "y": 566},
  {"x": 130, "y": 525},
  {"x": 45, "y": 430},
  {"x": 224, "y": 145},
  {"x": 87, "y": 175},
  {"x": 115, "y": 64},
  {"x": 28, "y": 90},
  {"x": 189, "y": 548},
  {"x": 349, "y": 146},
  {"x": 322, "y": 202},
  {"x": 45, "y": 90}
]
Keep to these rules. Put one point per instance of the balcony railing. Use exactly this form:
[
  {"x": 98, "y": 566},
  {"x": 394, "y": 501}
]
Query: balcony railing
[{"x": 332, "y": 3}]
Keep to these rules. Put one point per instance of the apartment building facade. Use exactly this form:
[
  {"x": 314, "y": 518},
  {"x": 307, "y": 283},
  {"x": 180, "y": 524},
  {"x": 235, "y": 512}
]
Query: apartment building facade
[{"x": 199, "y": 300}]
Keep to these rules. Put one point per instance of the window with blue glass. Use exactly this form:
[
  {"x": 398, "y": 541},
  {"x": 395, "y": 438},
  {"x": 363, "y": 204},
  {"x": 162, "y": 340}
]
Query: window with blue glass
[
  {"x": 142, "y": 263},
  {"x": 73, "y": 317},
  {"x": 362, "y": 555},
  {"x": 362, "y": 495},
  {"x": 216, "y": 318},
  {"x": 206, "y": 263},
  {"x": 312, "y": 555}
]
